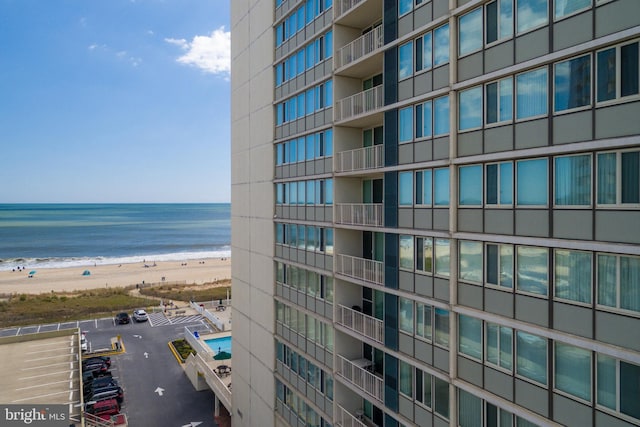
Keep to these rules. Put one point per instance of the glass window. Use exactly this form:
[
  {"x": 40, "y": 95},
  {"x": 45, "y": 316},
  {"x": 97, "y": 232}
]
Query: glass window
[
  {"x": 279, "y": 194},
  {"x": 470, "y": 191},
  {"x": 499, "y": 20},
  {"x": 619, "y": 282},
  {"x": 404, "y": 6},
  {"x": 470, "y": 261},
  {"x": 618, "y": 178},
  {"x": 572, "y": 83},
  {"x": 470, "y": 340},
  {"x": 406, "y": 378},
  {"x": 470, "y": 32},
  {"x": 441, "y": 116},
  {"x": 618, "y": 79},
  {"x": 531, "y": 357},
  {"x": 532, "y": 184},
  {"x": 405, "y": 60},
  {"x": 328, "y": 198},
  {"x": 423, "y": 120},
  {"x": 406, "y": 252},
  {"x": 406, "y": 315},
  {"x": 499, "y": 346},
  {"x": 405, "y": 125},
  {"x": 423, "y": 321},
  {"x": 424, "y": 254},
  {"x": 424, "y": 52},
  {"x": 441, "y": 323},
  {"x": 572, "y": 370},
  {"x": 532, "y": 265},
  {"x": 469, "y": 410},
  {"x": 442, "y": 257},
  {"x": 500, "y": 265},
  {"x": 617, "y": 385},
  {"x": 531, "y": 94},
  {"x": 531, "y": 14},
  {"x": 470, "y": 109},
  {"x": 423, "y": 388},
  {"x": 405, "y": 192},
  {"x": 423, "y": 187},
  {"x": 499, "y": 102},
  {"x": 441, "y": 193},
  {"x": 499, "y": 184},
  {"x": 573, "y": 180},
  {"x": 567, "y": 7},
  {"x": 441, "y": 48},
  {"x": 441, "y": 397},
  {"x": 573, "y": 275}
]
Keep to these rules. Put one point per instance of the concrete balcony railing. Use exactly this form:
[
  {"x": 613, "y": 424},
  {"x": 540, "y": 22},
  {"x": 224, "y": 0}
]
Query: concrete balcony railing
[
  {"x": 360, "y": 159},
  {"x": 359, "y": 214},
  {"x": 360, "y": 47},
  {"x": 343, "y": 6},
  {"x": 361, "y": 103},
  {"x": 361, "y": 323},
  {"x": 360, "y": 268},
  {"x": 366, "y": 381},
  {"x": 345, "y": 419}
]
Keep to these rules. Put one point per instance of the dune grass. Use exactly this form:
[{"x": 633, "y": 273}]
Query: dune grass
[{"x": 207, "y": 292}]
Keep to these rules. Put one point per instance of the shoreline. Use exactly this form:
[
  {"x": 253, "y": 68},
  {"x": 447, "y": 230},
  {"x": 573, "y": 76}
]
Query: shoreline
[{"x": 69, "y": 279}]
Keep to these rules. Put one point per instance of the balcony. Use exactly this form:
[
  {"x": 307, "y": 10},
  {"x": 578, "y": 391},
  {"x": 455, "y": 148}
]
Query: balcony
[
  {"x": 360, "y": 159},
  {"x": 364, "y": 380},
  {"x": 369, "y": 214},
  {"x": 361, "y": 103},
  {"x": 361, "y": 323},
  {"x": 359, "y": 48},
  {"x": 360, "y": 268},
  {"x": 353, "y": 13},
  {"x": 346, "y": 419}
]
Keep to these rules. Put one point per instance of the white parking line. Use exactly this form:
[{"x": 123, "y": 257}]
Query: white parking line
[
  {"x": 49, "y": 365},
  {"x": 41, "y": 385},
  {"x": 44, "y": 375},
  {"x": 45, "y": 358},
  {"x": 37, "y": 397},
  {"x": 47, "y": 350},
  {"x": 46, "y": 344}
]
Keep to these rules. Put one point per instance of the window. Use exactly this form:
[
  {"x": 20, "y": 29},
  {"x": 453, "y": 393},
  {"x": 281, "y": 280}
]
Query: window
[
  {"x": 619, "y": 178},
  {"x": 531, "y": 184},
  {"x": 567, "y": 7},
  {"x": 499, "y": 103},
  {"x": 499, "y": 184},
  {"x": 404, "y": 6},
  {"x": 573, "y": 275},
  {"x": 441, "y": 323},
  {"x": 499, "y": 346},
  {"x": 470, "y": 261},
  {"x": 619, "y": 282},
  {"x": 572, "y": 370},
  {"x": 470, "y": 340},
  {"x": 406, "y": 252},
  {"x": 406, "y": 314},
  {"x": 405, "y": 125},
  {"x": 441, "y": 193},
  {"x": 423, "y": 119},
  {"x": 531, "y": 14},
  {"x": 499, "y": 20},
  {"x": 469, "y": 409},
  {"x": 424, "y": 254},
  {"x": 617, "y": 72},
  {"x": 470, "y": 191},
  {"x": 423, "y": 388},
  {"x": 470, "y": 32},
  {"x": 405, "y": 190},
  {"x": 423, "y": 320},
  {"x": 532, "y": 268},
  {"x": 470, "y": 109},
  {"x": 617, "y": 385},
  {"x": 441, "y": 45},
  {"x": 573, "y": 180},
  {"x": 423, "y": 187},
  {"x": 531, "y": 94},
  {"x": 572, "y": 83},
  {"x": 441, "y": 397},
  {"x": 500, "y": 265},
  {"x": 424, "y": 52},
  {"x": 406, "y": 378},
  {"x": 405, "y": 60},
  {"x": 442, "y": 257},
  {"x": 441, "y": 116},
  {"x": 531, "y": 357}
]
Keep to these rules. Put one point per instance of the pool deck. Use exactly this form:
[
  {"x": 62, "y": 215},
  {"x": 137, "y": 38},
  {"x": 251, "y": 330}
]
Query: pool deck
[{"x": 222, "y": 368}]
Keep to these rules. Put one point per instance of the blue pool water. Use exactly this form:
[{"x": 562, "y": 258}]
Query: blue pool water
[{"x": 219, "y": 344}]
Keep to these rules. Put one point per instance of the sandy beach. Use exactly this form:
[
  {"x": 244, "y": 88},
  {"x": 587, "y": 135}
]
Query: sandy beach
[{"x": 102, "y": 276}]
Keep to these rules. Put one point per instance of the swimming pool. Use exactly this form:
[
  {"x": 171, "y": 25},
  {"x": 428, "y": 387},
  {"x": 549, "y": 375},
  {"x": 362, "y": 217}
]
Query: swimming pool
[{"x": 219, "y": 344}]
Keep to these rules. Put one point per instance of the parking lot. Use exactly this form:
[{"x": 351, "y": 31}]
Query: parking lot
[{"x": 156, "y": 390}]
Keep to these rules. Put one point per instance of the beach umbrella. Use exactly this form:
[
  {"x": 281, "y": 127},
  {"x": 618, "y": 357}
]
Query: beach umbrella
[
  {"x": 32, "y": 272},
  {"x": 86, "y": 273},
  {"x": 222, "y": 355}
]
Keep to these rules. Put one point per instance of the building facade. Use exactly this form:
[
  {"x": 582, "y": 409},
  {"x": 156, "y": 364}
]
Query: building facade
[{"x": 436, "y": 212}]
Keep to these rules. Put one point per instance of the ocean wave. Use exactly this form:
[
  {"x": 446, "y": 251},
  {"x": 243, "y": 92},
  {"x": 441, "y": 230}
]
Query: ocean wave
[{"x": 34, "y": 263}]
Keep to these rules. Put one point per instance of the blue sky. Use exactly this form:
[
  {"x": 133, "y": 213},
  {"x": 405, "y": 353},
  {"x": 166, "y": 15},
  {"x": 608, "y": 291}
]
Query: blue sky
[{"x": 114, "y": 101}]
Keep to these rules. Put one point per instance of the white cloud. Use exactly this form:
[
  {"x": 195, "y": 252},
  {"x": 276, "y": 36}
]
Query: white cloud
[{"x": 212, "y": 53}]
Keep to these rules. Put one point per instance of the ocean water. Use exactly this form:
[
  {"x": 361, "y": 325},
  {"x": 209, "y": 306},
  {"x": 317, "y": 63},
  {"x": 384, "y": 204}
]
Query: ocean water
[{"x": 65, "y": 235}]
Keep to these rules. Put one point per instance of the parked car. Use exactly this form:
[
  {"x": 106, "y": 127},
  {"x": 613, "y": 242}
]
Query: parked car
[
  {"x": 104, "y": 359},
  {"x": 96, "y": 367},
  {"x": 122, "y": 318},
  {"x": 140, "y": 315},
  {"x": 83, "y": 342},
  {"x": 106, "y": 393},
  {"x": 103, "y": 408},
  {"x": 101, "y": 382},
  {"x": 88, "y": 376}
]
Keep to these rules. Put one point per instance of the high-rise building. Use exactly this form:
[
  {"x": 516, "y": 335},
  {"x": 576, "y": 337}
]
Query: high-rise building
[{"x": 436, "y": 212}]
